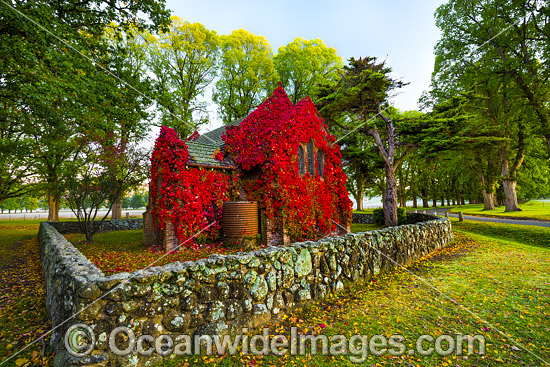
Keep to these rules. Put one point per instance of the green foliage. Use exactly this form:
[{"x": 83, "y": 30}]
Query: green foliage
[
  {"x": 304, "y": 64},
  {"x": 378, "y": 216},
  {"x": 102, "y": 173},
  {"x": 247, "y": 75},
  {"x": 51, "y": 91},
  {"x": 184, "y": 61},
  {"x": 402, "y": 216}
]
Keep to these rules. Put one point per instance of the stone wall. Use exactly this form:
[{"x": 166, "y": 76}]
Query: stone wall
[
  {"x": 363, "y": 218},
  {"x": 223, "y": 293},
  {"x": 106, "y": 226}
]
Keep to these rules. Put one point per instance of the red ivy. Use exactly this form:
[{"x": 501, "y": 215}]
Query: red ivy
[
  {"x": 193, "y": 136},
  {"x": 190, "y": 198},
  {"x": 264, "y": 148},
  {"x": 268, "y": 139}
]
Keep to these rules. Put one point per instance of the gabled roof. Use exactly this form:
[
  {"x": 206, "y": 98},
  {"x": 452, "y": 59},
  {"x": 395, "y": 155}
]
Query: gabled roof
[
  {"x": 214, "y": 137},
  {"x": 203, "y": 155}
]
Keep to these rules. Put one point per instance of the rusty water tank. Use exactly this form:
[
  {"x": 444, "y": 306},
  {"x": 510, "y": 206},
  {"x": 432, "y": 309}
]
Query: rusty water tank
[{"x": 240, "y": 219}]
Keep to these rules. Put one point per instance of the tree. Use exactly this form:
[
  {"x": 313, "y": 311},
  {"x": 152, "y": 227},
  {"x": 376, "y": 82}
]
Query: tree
[
  {"x": 138, "y": 201},
  {"x": 247, "y": 75},
  {"x": 29, "y": 202},
  {"x": 509, "y": 36},
  {"x": 11, "y": 204},
  {"x": 304, "y": 64},
  {"x": 103, "y": 170},
  {"x": 184, "y": 61},
  {"x": 127, "y": 114},
  {"x": 49, "y": 80},
  {"x": 358, "y": 102}
]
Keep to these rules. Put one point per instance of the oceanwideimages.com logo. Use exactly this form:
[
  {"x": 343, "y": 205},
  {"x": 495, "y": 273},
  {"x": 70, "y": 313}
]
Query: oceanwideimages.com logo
[{"x": 80, "y": 341}]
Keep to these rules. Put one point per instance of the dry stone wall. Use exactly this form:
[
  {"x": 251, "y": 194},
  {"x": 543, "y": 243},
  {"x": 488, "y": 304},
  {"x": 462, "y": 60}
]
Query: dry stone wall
[
  {"x": 221, "y": 294},
  {"x": 105, "y": 226}
]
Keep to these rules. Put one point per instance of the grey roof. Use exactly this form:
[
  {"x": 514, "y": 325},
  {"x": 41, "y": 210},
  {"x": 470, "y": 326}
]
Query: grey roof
[
  {"x": 203, "y": 154},
  {"x": 214, "y": 137}
]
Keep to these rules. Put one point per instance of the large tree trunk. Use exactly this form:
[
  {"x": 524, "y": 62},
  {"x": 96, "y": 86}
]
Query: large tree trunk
[
  {"x": 390, "y": 199},
  {"x": 509, "y": 175},
  {"x": 511, "y": 200},
  {"x": 53, "y": 209},
  {"x": 488, "y": 200},
  {"x": 415, "y": 202},
  {"x": 359, "y": 200},
  {"x": 116, "y": 210},
  {"x": 390, "y": 166}
]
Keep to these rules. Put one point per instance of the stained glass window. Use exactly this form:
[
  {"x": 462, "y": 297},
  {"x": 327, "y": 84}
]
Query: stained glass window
[
  {"x": 320, "y": 163},
  {"x": 310, "y": 158},
  {"x": 301, "y": 160}
]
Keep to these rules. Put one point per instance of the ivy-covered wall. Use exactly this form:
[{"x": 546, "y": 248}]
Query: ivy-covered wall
[
  {"x": 256, "y": 161},
  {"x": 223, "y": 293}
]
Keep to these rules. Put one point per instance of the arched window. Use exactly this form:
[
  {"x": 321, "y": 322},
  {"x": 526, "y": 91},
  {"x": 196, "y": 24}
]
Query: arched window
[
  {"x": 301, "y": 160},
  {"x": 320, "y": 163},
  {"x": 310, "y": 158}
]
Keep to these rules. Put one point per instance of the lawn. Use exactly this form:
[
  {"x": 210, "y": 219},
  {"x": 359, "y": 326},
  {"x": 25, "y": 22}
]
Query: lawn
[
  {"x": 23, "y": 317},
  {"x": 500, "y": 273},
  {"x": 358, "y": 227},
  {"x": 533, "y": 209},
  {"x": 536, "y": 209},
  {"x": 492, "y": 284}
]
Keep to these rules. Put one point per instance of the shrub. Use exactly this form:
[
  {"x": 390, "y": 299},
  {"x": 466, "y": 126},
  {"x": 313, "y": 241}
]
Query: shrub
[
  {"x": 402, "y": 216},
  {"x": 378, "y": 216}
]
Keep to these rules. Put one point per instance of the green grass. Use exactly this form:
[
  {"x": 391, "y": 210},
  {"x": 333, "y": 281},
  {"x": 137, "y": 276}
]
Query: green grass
[
  {"x": 499, "y": 272},
  {"x": 366, "y": 211},
  {"x": 527, "y": 235},
  {"x": 505, "y": 283},
  {"x": 13, "y": 232},
  {"x": 358, "y": 227},
  {"x": 122, "y": 241},
  {"x": 23, "y": 316},
  {"x": 536, "y": 209}
]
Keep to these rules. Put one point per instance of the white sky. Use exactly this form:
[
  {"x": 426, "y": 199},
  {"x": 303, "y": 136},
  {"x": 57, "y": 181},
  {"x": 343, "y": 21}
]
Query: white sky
[{"x": 403, "y": 32}]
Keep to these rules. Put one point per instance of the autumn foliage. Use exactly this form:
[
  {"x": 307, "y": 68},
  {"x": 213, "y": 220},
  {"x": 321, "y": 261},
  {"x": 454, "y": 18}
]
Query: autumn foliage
[
  {"x": 191, "y": 198},
  {"x": 263, "y": 149},
  {"x": 267, "y": 141}
]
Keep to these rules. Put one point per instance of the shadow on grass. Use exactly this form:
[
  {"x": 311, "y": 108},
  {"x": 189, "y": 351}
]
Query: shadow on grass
[{"x": 528, "y": 235}]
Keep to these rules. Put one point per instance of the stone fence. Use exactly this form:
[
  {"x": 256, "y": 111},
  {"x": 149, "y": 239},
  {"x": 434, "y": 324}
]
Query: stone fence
[
  {"x": 362, "y": 218},
  {"x": 105, "y": 226},
  {"x": 220, "y": 294}
]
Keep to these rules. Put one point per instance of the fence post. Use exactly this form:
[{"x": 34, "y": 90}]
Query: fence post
[{"x": 460, "y": 217}]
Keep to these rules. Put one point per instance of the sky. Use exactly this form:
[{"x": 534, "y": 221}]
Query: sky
[{"x": 402, "y": 32}]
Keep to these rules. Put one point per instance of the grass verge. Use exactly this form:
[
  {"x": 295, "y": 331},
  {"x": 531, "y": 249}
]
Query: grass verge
[
  {"x": 504, "y": 283},
  {"x": 23, "y": 317},
  {"x": 534, "y": 209}
]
